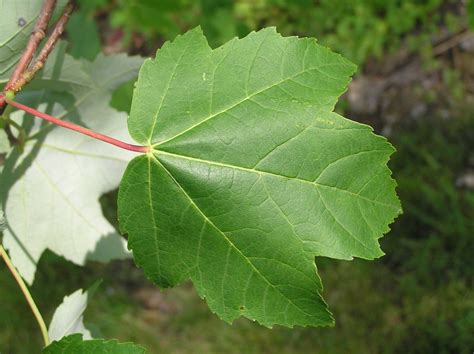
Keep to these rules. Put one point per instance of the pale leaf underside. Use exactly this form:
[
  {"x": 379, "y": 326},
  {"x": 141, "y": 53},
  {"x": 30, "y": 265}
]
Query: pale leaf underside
[
  {"x": 50, "y": 191},
  {"x": 68, "y": 317}
]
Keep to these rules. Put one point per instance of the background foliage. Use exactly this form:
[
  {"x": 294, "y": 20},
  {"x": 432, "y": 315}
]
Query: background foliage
[{"x": 415, "y": 85}]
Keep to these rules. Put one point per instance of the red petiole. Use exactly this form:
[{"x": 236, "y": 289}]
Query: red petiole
[{"x": 77, "y": 128}]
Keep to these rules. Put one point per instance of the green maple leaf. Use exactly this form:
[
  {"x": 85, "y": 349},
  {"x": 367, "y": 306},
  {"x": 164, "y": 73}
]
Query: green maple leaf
[
  {"x": 51, "y": 190},
  {"x": 74, "y": 344},
  {"x": 251, "y": 175}
]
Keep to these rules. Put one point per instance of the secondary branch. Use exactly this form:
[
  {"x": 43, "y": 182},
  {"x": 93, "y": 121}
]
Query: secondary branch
[
  {"x": 38, "y": 64},
  {"x": 27, "y": 294},
  {"x": 39, "y": 32}
]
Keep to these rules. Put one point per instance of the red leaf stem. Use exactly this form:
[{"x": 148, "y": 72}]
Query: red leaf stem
[{"x": 77, "y": 128}]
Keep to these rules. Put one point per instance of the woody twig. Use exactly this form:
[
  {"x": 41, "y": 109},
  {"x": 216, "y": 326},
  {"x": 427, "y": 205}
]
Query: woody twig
[
  {"x": 39, "y": 62},
  {"x": 25, "y": 71}
]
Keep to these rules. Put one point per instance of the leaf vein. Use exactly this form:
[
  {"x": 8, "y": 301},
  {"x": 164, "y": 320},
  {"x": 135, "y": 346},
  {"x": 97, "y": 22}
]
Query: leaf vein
[{"x": 229, "y": 241}]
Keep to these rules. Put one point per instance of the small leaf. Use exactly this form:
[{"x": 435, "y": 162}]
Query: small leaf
[
  {"x": 74, "y": 344},
  {"x": 68, "y": 317},
  {"x": 252, "y": 175}
]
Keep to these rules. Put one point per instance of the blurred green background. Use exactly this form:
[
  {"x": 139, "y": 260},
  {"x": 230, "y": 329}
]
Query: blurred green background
[{"x": 415, "y": 85}]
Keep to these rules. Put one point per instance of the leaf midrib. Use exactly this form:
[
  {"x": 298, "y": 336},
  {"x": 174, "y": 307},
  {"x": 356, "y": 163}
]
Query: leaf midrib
[{"x": 260, "y": 172}]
